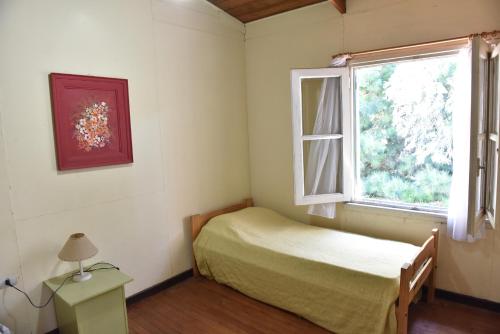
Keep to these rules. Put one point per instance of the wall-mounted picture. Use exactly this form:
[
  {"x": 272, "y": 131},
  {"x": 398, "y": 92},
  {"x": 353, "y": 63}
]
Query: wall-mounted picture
[{"x": 91, "y": 121}]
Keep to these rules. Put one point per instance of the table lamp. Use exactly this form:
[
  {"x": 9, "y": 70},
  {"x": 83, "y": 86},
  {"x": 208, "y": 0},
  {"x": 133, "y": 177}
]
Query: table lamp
[{"x": 78, "y": 248}]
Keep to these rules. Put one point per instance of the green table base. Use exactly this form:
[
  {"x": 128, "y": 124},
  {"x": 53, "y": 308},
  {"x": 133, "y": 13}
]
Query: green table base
[{"x": 94, "y": 306}]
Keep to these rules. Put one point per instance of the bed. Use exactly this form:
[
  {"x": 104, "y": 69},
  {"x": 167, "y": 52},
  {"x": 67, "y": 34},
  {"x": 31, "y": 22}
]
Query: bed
[{"x": 344, "y": 282}]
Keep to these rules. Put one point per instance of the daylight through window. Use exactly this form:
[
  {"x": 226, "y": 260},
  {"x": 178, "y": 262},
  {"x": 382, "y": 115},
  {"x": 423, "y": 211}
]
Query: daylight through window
[{"x": 404, "y": 131}]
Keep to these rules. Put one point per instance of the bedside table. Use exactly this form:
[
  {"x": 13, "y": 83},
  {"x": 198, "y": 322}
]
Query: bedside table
[{"x": 93, "y": 306}]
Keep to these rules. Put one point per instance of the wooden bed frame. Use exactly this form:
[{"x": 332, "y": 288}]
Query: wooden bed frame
[{"x": 413, "y": 275}]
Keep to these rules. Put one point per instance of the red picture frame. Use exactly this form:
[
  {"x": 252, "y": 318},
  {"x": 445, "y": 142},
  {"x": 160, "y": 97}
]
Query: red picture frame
[{"x": 91, "y": 121}]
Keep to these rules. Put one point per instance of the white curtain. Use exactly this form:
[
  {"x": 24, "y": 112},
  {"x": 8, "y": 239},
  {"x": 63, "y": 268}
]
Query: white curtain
[
  {"x": 340, "y": 60},
  {"x": 458, "y": 226},
  {"x": 322, "y": 172}
]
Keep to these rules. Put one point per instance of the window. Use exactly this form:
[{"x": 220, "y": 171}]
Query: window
[
  {"x": 404, "y": 131},
  {"x": 383, "y": 131},
  {"x": 322, "y": 135},
  {"x": 493, "y": 146}
]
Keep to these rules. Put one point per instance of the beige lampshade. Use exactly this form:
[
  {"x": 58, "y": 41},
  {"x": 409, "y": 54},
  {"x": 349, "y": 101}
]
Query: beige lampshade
[{"x": 77, "y": 248}]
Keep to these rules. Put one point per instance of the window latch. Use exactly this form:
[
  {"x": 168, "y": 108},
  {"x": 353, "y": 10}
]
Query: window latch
[{"x": 479, "y": 167}]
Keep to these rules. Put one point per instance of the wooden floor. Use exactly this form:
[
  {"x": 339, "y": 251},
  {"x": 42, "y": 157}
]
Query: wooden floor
[{"x": 201, "y": 306}]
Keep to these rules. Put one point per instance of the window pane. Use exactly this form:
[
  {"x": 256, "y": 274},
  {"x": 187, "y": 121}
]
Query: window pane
[
  {"x": 323, "y": 166},
  {"x": 482, "y": 138},
  {"x": 480, "y": 185},
  {"x": 490, "y": 186},
  {"x": 317, "y": 93},
  {"x": 404, "y": 114},
  {"x": 483, "y": 73},
  {"x": 493, "y": 121}
]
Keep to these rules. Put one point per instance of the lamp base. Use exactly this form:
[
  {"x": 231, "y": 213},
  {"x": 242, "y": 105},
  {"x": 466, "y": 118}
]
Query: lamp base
[{"x": 82, "y": 277}]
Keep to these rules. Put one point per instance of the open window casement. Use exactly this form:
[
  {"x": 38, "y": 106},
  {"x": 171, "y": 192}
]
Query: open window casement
[
  {"x": 484, "y": 157},
  {"x": 322, "y": 151},
  {"x": 492, "y": 162}
]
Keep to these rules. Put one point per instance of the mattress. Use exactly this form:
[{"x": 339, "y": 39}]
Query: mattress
[{"x": 344, "y": 282}]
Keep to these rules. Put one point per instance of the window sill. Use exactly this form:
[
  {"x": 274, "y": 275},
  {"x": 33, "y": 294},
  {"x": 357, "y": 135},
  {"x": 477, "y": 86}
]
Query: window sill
[{"x": 405, "y": 213}]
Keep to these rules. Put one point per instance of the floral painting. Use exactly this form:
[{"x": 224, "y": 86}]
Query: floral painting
[
  {"x": 91, "y": 127},
  {"x": 91, "y": 121}
]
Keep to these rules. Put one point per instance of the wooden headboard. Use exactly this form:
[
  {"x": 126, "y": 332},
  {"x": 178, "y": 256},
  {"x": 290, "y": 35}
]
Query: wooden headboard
[{"x": 199, "y": 220}]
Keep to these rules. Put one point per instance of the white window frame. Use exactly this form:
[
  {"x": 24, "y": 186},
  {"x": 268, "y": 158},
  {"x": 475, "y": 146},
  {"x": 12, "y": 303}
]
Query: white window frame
[
  {"x": 356, "y": 197},
  {"x": 493, "y": 138},
  {"x": 299, "y": 137},
  {"x": 476, "y": 212}
]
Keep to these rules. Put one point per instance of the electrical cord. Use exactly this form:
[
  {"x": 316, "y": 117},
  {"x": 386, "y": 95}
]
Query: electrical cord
[
  {"x": 28, "y": 297},
  {"x": 89, "y": 269}
]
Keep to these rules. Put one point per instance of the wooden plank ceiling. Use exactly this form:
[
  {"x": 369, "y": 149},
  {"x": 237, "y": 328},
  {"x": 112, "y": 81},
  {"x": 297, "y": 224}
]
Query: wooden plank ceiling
[{"x": 251, "y": 10}]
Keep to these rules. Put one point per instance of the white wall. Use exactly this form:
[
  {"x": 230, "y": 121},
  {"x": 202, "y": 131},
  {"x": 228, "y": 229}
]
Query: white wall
[
  {"x": 308, "y": 37},
  {"x": 185, "y": 66},
  {"x": 12, "y": 306}
]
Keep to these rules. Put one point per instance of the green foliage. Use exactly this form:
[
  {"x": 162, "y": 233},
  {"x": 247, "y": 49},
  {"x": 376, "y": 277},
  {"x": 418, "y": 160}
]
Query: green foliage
[
  {"x": 429, "y": 186},
  {"x": 405, "y": 130}
]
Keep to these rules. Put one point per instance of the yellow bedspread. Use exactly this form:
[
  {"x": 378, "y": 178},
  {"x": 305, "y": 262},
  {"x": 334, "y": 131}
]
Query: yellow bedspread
[{"x": 344, "y": 282}]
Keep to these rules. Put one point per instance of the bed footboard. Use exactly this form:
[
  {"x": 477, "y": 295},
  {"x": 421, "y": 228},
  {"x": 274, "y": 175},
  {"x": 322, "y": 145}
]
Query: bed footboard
[
  {"x": 413, "y": 275},
  {"x": 198, "y": 221}
]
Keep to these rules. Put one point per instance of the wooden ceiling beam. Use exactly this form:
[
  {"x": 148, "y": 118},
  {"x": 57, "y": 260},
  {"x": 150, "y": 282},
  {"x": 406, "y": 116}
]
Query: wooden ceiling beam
[{"x": 340, "y": 5}]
